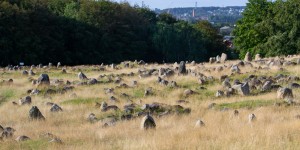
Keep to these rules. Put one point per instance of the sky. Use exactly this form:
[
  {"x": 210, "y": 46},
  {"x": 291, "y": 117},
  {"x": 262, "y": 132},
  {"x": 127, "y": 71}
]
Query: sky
[{"x": 162, "y": 4}]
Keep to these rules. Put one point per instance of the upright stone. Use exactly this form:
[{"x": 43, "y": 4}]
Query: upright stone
[
  {"x": 182, "y": 68},
  {"x": 58, "y": 64},
  {"x": 247, "y": 57},
  {"x": 35, "y": 114},
  {"x": 257, "y": 57},
  {"x": 148, "y": 123},
  {"x": 285, "y": 93},
  {"x": 82, "y": 76},
  {"x": 223, "y": 58},
  {"x": 43, "y": 80},
  {"x": 218, "y": 59}
]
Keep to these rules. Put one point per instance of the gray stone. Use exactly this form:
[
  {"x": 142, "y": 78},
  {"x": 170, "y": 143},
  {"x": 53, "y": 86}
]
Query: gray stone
[
  {"x": 56, "y": 108},
  {"x": 148, "y": 123},
  {"x": 25, "y": 100},
  {"x": 82, "y": 76},
  {"x": 243, "y": 89},
  {"x": 43, "y": 80},
  {"x": 267, "y": 86},
  {"x": 92, "y": 118},
  {"x": 235, "y": 69},
  {"x": 257, "y": 57},
  {"x": 182, "y": 68},
  {"x": 22, "y": 138},
  {"x": 35, "y": 114},
  {"x": 199, "y": 123},
  {"x": 188, "y": 92},
  {"x": 285, "y": 93},
  {"x": 247, "y": 57},
  {"x": 251, "y": 118},
  {"x": 223, "y": 58},
  {"x": 219, "y": 93}
]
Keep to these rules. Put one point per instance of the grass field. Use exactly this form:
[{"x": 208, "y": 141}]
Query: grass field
[{"x": 276, "y": 127}]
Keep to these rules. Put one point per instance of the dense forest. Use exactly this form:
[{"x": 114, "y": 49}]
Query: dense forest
[
  {"x": 269, "y": 28},
  {"x": 93, "y": 32}
]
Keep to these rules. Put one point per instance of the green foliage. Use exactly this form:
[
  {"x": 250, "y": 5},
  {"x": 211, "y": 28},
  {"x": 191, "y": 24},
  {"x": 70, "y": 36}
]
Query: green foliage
[
  {"x": 269, "y": 28},
  {"x": 93, "y": 32}
]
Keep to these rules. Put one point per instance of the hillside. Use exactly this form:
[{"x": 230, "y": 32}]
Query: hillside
[{"x": 194, "y": 105}]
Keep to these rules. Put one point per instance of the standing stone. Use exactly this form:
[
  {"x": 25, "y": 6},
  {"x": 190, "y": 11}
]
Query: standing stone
[
  {"x": 212, "y": 60},
  {"x": 182, "y": 68},
  {"x": 43, "y": 80},
  {"x": 31, "y": 73},
  {"x": 235, "y": 68},
  {"x": 223, "y": 58},
  {"x": 55, "y": 108},
  {"x": 92, "y": 118},
  {"x": 58, "y": 64},
  {"x": 35, "y": 114},
  {"x": 257, "y": 57},
  {"x": 26, "y": 100},
  {"x": 285, "y": 93},
  {"x": 199, "y": 123},
  {"x": 218, "y": 59},
  {"x": 298, "y": 61},
  {"x": 25, "y": 72},
  {"x": 251, "y": 118},
  {"x": 219, "y": 93},
  {"x": 188, "y": 92},
  {"x": 243, "y": 89},
  {"x": 148, "y": 122},
  {"x": 247, "y": 57},
  {"x": 267, "y": 86},
  {"x": 22, "y": 138},
  {"x": 50, "y": 65},
  {"x": 235, "y": 112},
  {"x": 103, "y": 106},
  {"x": 82, "y": 76}
]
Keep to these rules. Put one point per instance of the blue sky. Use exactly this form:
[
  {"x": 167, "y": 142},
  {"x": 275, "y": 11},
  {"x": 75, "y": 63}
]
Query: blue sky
[{"x": 161, "y": 4}]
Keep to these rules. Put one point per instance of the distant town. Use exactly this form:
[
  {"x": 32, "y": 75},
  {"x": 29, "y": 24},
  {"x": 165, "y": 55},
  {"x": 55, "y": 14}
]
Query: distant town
[{"x": 216, "y": 15}]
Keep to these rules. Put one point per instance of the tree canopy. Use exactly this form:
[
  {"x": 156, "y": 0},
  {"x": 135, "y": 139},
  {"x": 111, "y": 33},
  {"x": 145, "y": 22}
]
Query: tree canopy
[
  {"x": 92, "y": 32},
  {"x": 269, "y": 28}
]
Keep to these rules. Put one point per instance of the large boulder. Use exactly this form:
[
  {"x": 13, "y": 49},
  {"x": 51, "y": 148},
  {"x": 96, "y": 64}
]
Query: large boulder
[
  {"x": 285, "y": 93},
  {"x": 82, "y": 76},
  {"x": 43, "y": 80},
  {"x": 182, "y": 68},
  {"x": 148, "y": 123},
  {"x": 55, "y": 108},
  {"x": 267, "y": 86},
  {"x": 243, "y": 89},
  {"x": 35, "y": 114},
  {"x": 25, "y": 100}
]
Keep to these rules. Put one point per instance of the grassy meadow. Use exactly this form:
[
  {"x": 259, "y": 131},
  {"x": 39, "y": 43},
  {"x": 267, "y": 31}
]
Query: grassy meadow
[{"x": 276, "y": 127}]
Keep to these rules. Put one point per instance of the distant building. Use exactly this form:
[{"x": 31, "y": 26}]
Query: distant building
[{"x": 225, "y": 30}]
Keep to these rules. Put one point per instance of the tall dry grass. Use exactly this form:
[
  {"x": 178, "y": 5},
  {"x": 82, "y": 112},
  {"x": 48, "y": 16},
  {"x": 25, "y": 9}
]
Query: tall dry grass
[{"x": 275, "y": 127}]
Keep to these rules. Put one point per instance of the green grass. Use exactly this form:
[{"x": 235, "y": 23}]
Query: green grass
[
  {"x": 78, "y": 101},
  {"x": 34, "y": 144},
  {"x": 138, "y": 93},
  {"x": 6, "y": 94},
  {"x": 249, "y": 104}
]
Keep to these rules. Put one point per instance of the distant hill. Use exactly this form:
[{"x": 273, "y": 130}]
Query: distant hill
[{"x": 229, "y": 14}]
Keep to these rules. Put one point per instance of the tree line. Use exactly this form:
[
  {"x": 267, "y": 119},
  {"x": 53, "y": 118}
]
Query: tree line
[
  {"x": 269, "y": 28},
  {"x": 92, "y": 32}
]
